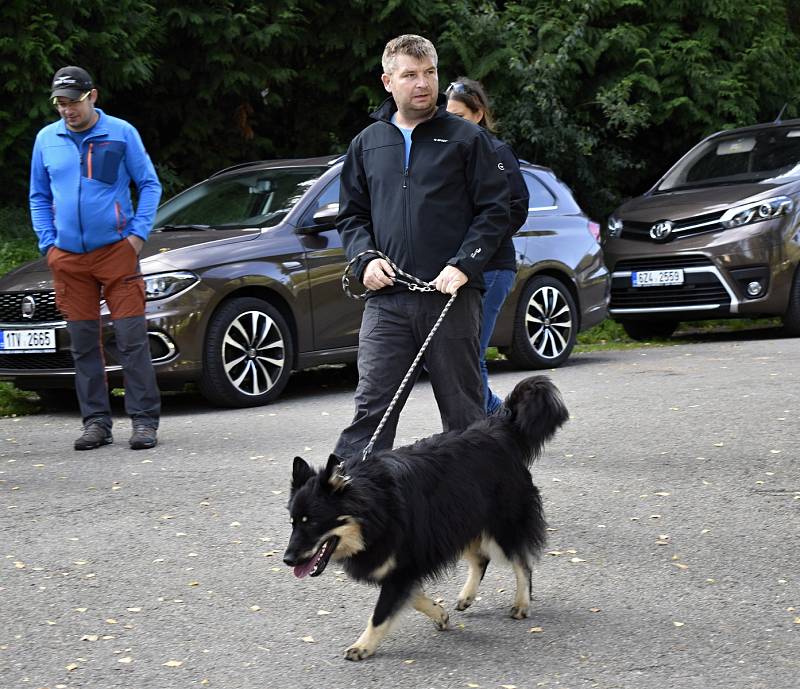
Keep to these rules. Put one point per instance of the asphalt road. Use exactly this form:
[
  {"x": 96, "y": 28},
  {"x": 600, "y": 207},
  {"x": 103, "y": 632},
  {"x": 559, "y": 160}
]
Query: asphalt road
[{"x": 673, "y": 496}]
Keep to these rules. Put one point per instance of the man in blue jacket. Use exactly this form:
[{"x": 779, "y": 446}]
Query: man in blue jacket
[{"x": 81, "y": 209}]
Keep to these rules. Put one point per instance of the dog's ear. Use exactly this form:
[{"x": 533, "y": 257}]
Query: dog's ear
[
  {"x": 301, "y": 473},
  {"x": 334, "y": 475}
]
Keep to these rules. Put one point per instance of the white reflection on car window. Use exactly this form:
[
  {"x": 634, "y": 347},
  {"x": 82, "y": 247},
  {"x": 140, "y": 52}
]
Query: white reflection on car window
[{"x": 260, "y": 198}]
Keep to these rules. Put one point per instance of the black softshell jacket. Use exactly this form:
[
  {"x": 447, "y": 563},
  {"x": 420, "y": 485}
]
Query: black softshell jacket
[
  {"x": 505, "y": 258},
  {"x": 451, "y": 206}
]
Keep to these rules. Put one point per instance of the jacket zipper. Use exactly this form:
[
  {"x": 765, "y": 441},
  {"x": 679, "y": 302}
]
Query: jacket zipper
[
  {"x": 89, "y": 162},
  {"x": 407, "y": 208},
  {"x": 80, "y": 164}
]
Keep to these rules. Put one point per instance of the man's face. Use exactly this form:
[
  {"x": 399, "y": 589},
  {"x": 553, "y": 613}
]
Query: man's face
[
  {"x": 414, "y": 84},
  {"x": 78, "y": 114}
]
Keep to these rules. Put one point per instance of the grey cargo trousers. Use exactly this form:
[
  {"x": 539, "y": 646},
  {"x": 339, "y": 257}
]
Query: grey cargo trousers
[{"x": 393, "y": 328}]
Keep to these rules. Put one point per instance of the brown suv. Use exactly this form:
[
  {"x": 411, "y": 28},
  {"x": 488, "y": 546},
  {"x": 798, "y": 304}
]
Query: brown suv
[{"x": 716, "y": 237}]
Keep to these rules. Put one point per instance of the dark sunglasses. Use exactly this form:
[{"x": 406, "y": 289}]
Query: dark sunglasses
[{"x": 457, "y": 87}]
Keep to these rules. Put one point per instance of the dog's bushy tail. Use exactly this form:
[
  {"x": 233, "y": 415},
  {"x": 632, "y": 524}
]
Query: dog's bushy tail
[{"x": 535, "y": 407}]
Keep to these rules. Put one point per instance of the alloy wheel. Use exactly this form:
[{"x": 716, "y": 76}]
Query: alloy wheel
[
  {"x": 548, "y": 322},
  {"x": 253, "y": 353}
]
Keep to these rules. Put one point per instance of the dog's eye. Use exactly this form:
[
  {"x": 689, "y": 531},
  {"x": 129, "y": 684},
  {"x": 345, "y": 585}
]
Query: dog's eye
[{"x": 304, "y": 520}]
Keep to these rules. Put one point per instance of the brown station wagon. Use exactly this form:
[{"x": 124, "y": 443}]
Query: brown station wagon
[
  {"x": 243, "y": 277},
  {"x": 718, "y": 236}
]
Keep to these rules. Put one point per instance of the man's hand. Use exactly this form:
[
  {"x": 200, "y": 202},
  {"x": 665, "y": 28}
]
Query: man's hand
[
  {"x": 449, "y": 280},
  {"x": 136, "y": 242},
  {"x": 377, "y": 274}
]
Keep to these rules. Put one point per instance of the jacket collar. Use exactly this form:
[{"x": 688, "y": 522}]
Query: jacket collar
[
  {"x": 388, "y": 108},
  {"x": 100, "y": 127}
]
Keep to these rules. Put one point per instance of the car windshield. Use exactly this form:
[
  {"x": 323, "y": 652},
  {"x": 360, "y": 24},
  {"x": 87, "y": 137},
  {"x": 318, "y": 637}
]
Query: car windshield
[
  {"x": 766, "y": 155},
  {"x": 260, "y": 198}
]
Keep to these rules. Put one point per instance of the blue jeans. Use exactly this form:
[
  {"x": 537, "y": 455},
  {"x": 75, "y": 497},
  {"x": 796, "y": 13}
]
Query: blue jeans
[{"x": 498, "y": 285}]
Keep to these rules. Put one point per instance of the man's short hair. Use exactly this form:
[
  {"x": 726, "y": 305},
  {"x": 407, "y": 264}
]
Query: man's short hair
[{"x": 407, "y": 44}]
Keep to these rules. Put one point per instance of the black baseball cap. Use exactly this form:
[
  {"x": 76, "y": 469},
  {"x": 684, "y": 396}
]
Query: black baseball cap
[{"x": 71, "y": 82}]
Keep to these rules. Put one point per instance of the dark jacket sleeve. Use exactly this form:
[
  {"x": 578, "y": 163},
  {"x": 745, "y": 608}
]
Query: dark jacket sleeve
[
  {"x": 354, "y": 221},
  {"x": 517, "y": 188},
  {"x": 488, "y": 187}
]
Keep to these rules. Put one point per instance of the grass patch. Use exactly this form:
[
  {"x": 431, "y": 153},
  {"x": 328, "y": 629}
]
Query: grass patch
[
  {"x": 14, "y": 402},
  {"x": 18, "y": 242}
]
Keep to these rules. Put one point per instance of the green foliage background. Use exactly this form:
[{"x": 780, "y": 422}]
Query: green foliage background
[{"x": 607, "y": 92}]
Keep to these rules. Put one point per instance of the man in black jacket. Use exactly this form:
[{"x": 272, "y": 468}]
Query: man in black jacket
[{"x": 427, "y": 189}]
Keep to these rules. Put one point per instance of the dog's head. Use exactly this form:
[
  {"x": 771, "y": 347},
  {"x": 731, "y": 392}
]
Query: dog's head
[{"x": 321, "y": 525}]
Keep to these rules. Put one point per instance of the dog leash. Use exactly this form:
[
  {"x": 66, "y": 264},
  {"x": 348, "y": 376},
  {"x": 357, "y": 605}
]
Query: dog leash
[{"x": 415, "y": 285}]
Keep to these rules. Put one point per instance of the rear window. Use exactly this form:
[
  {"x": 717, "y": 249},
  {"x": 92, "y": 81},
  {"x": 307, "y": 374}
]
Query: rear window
[{"x": 540, "y": 196}]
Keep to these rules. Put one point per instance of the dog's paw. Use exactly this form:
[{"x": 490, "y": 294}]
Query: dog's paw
[
  {"x": 443, "y": 620},
  {"x": 464, "y": 603},
  {"x": 519, "y": 613},
  {"x": 358, "y": 652}
]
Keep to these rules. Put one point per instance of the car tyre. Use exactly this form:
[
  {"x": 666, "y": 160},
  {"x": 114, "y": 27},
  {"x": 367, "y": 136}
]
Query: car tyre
[
  {"x": 545, "y": 325},
  {"x": 248, "y": 354},
  {"x": 791, "y": 319},
  {"x": 649, "y": 329}
]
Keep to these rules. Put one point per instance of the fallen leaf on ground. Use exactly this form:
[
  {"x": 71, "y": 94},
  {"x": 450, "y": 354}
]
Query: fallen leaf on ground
[{"x": 173, "y": 663}]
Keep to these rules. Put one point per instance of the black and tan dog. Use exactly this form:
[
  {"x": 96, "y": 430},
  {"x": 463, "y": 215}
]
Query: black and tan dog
[{"x": 405, "y": 515}]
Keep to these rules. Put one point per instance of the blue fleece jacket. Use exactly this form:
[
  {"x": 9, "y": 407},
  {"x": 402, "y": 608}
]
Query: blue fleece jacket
[{"x": 80, "y": 198}]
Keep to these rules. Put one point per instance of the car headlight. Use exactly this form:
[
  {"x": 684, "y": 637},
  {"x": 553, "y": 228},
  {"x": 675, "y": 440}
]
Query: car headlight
[
  {"x": 162, "y": 285},
  {"x": 614, "y": 227},
  {"x": 763, "y": 210}
]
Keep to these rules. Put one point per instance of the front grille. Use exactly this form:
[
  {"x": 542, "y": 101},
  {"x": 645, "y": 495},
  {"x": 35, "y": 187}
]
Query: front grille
[
  {"x": 45, "y": 310},
  {"x": 663, "y": 262},
  {"x": 680, "y": 228},
  {"x": 37, "y": 362},
  {"x": 698, "y": 289}
]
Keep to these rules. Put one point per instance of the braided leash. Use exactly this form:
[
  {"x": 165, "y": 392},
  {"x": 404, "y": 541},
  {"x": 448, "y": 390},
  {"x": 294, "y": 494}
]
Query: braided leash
[{"x": 414, "y": 284}]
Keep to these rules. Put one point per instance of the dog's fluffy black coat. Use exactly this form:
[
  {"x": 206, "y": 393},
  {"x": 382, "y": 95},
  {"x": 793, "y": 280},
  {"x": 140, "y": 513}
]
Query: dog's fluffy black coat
[{"x": 405, "y": 515}]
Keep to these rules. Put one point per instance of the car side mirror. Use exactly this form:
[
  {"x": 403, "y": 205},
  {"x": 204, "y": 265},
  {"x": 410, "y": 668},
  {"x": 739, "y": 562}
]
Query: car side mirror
[{"x": 324, "y": 219}]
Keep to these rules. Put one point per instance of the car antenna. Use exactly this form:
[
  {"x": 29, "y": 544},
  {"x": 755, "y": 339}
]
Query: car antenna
[{"x": 780, "y": 114}]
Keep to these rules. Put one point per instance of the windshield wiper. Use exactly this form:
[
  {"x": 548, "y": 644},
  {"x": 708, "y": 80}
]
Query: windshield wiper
[{"x": 184, "y": 227}]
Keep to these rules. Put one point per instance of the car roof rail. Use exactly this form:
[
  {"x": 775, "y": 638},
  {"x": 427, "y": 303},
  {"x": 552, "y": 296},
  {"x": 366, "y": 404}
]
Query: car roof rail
[
  {"x": 238, "y": 166},
  {"x": 336, "y": 158}
]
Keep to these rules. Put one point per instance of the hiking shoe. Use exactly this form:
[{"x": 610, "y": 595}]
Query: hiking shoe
[
  {"x": 94, "y": 435},
  {"x": 143, "y": 437}
]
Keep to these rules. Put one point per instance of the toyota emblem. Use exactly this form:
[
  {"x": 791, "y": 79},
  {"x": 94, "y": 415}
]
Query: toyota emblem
[
  {"x": 28, "y": 306},
  {"x": 661, "y": 230}
]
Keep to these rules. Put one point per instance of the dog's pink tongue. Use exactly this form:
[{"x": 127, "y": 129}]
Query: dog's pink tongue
[{"x": 302, "y": 570}]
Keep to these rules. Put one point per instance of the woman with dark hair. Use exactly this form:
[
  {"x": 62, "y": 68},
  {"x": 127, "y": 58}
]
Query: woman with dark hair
[{"x": 466, "y": 98}]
